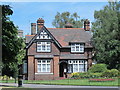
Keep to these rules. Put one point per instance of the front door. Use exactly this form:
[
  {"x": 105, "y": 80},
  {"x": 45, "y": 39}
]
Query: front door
[{"x": 63, "y": 69}]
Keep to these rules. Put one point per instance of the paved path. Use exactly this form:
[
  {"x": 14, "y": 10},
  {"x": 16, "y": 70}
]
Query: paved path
[{"x": 53, "y": 86}]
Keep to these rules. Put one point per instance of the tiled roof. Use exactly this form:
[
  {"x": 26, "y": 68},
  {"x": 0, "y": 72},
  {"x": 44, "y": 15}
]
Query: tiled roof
[
  {"x": 28, "y": 38},
  {"x": 66, "y": 35},
  {"x": 72, "y": 56}
]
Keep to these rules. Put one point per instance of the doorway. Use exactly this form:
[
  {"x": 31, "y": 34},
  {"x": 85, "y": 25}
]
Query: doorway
[{"x": 63, "y": 68}]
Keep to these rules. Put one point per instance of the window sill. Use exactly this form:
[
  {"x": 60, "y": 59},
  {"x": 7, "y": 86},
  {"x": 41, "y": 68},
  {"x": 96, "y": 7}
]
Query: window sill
[
  {"x": 77, "y": 52},
  {"x": 42, "y": 73}
]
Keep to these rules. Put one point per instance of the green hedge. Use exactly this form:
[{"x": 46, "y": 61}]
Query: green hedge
[
  {"x": 97, "y": 71},
  {"x": 98, "y": 68},
  {"x": 86, "y": 75},
  {"x": 111, "y": 73}
]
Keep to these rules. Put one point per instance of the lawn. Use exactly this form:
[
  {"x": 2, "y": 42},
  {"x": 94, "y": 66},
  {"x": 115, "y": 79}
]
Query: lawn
[
  {"x": 76, "y": 82},
  {"x": 81, "y": 82}
]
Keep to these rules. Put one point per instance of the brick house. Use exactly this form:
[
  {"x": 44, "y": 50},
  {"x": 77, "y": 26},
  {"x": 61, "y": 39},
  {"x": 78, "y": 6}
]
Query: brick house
[{"x": 56, "y": 52}]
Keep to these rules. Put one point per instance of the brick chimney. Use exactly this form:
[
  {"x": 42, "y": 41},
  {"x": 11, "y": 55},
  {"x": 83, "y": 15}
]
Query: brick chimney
[
  {"x": 87, "y": 25},
  {"x": 33, "y": 28},
  {"x": 68, "y": 25},
  {"x": 40, "y": 24}
]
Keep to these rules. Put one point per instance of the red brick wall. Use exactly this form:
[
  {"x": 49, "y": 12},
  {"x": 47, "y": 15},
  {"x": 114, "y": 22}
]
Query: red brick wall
[
  {"x": 44, "y": 77},
  {"x": 30, "y": 67},
  {"x": 56, "y": 66},
  {"x": 32, "y": 50},
  {"x": 32, "y": 63}
]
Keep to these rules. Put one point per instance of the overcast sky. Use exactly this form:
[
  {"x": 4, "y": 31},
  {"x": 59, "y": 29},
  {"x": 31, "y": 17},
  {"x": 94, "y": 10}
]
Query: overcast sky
[{"x": 28, "y": 12}]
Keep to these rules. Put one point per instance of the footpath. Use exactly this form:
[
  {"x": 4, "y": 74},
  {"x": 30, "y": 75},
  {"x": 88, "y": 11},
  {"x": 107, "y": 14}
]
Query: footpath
[{"x": 53, "y": 86}]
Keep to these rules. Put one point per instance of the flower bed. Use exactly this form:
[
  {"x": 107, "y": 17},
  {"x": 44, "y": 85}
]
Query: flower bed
[{"x": 100, "y": 80}]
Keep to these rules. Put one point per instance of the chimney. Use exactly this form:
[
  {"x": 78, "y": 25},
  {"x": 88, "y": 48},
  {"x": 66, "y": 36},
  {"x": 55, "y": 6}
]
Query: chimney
[
  {"x": 33, "y": 28},
  {"x": 87, "y": 25},
  {"x": 40, "y": 24},
  {"x": 68, "y": 25}
]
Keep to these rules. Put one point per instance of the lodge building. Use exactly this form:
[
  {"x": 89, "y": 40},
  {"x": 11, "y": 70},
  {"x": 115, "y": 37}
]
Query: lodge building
[{"x": 52, "y": 53}]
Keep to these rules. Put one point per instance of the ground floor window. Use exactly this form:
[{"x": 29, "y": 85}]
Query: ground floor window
[
  {"x": 43, "y": 65},
  {"x": 25, "y": 66},
  {"x": 77, "y": 66}
]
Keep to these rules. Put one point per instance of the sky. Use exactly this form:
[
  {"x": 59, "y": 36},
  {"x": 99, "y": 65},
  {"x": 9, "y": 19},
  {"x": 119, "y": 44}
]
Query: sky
[{"x": 25, "y": 13}]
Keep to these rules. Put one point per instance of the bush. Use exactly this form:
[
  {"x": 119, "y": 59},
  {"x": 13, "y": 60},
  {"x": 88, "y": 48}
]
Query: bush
[
  {"x": 5, "y": 77},
  {"x": 84, "y": 75},
  {"x": 95, "y": 75},
  {"x": 114, "y": 72},
  {"x": 98, "y": 68},
  {"x": 75, "y": 75},
  {"x": 79, "y": 75},
  {"x": 110, "y": 73}
]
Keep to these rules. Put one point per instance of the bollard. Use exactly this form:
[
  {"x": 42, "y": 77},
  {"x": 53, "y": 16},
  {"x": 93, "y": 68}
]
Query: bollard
[{"x": 20, "y": 82}]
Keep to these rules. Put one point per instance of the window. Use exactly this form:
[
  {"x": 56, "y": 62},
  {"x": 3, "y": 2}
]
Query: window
[
  {"x": 43, "y": 47},
  {"x": 77, "y": 66},
  {"x": 77, "y": 47},
  {"x": 25, "y": 66},
  {"x": 43, "y": 65}
]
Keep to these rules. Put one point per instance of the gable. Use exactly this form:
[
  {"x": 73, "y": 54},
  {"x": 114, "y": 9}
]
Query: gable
[{"x": 43, "y": 34}]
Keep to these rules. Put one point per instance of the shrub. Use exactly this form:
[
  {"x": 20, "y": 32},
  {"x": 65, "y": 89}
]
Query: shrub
[
  {"x": 79, "y": 75},
  {"x": 98, "y": 68},
  {"x": 75, "y": 75},
  {"x": 110, "y": 73},
  {"x": 95, "y": 75},
  {"x": 5, "y": 77},
  {"x": 84, "y": 75},
  {"x": 114, "y": 72}
]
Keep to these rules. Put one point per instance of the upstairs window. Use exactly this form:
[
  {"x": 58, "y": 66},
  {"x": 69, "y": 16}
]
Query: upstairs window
[
  {"x": 77, "y": 47},
  {"x": 43, "y": 47}
]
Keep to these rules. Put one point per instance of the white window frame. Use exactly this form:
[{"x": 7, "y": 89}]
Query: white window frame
[
  {"x": 47, "y": 65},
  {"x": 72, "y": 64},
  {"x": 77, "y": 47},
  {"x": 43, "y": 46}
]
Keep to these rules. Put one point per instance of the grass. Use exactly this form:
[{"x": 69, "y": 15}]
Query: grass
[{"x": 80, "y": 82}]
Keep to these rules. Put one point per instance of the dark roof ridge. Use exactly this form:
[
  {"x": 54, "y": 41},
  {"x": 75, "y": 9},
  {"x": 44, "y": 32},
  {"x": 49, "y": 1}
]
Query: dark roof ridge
[{"x": 65, "y": 28}]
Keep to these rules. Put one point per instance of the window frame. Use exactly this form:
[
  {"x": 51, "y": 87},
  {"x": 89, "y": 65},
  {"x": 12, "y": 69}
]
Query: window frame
[
  {"x": 46, "y": 63},
  {"x": 77, "y": 47},
  {"x": 73, "y": 63},
  {"x": 44, "y": 46}
]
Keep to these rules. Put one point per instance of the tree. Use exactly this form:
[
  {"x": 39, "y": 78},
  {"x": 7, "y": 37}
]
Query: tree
[
  {"x": 12, "y": 46},
  {"x": 63, "y": 18},
  {"x": 106, "y": 35}
]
